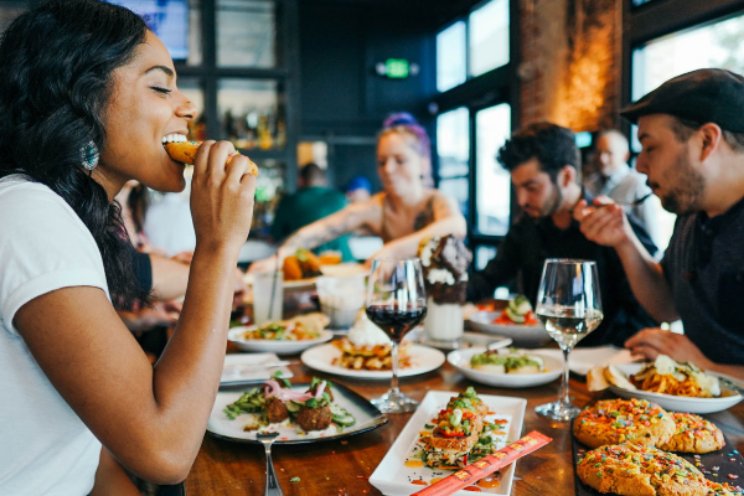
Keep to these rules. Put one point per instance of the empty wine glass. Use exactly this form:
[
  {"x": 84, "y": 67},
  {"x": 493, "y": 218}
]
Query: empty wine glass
[
  {"x": 396, "y": 302},
  {"x": 569, "y": 304}
]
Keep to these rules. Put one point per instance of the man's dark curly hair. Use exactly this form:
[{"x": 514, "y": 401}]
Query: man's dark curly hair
[
  {"x": 56, "y": 63},
  {"x": 553, "y": 146}
]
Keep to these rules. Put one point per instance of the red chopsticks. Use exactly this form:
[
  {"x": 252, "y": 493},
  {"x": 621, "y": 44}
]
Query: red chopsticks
[{"x": 487, "y": 465}]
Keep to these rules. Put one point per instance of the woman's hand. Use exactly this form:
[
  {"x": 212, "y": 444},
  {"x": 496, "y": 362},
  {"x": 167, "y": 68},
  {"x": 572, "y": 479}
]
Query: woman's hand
[{"x": 221, "y": 196}]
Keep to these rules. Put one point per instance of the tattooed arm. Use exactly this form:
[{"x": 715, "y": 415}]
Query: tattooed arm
[
  {"x": 442, "y": 218},
  {"x": 328, "y": 228}
]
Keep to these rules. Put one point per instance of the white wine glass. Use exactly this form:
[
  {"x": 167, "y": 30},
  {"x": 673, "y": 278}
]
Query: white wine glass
[
  {"x": 570, "y": 306},
  {"x": 396, "y": 303}
]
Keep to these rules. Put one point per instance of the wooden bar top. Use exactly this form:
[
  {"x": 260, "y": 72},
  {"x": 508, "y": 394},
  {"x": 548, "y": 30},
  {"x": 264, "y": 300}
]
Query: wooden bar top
[{"x": 343, "y": 467}]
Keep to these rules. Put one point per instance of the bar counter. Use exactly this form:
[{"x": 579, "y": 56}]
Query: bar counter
[{"x": 343, "y": 467}]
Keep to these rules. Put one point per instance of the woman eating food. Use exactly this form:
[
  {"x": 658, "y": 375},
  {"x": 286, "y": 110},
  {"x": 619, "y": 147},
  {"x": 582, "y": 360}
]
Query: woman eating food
[
  {"x": 88, "y": 97},
  {"x": 403, "y": 214}
]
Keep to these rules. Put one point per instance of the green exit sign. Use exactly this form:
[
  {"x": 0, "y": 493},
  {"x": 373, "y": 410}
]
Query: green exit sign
[{"x": 397, "y": 68}]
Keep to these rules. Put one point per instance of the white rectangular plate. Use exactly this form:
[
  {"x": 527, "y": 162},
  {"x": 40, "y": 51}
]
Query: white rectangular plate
[{"x": 393, "y": 477}]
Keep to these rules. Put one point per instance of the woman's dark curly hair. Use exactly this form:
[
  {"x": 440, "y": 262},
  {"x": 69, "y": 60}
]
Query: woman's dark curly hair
[
  {"x": 56, "y": 65},
  {"x": 553, "y": 146}
]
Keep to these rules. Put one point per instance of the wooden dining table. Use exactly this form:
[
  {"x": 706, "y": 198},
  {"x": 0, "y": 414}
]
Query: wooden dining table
[{"x": 343, "y": 467}]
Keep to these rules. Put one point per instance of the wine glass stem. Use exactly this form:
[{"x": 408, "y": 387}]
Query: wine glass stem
[
  {"x": 564, "y": 397},
  {"x": 394, "y": 364}
]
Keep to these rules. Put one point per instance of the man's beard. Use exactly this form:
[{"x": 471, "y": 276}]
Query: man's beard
[
  {"x": 688, "y": 189},
  {"x": 553, "y": 203}
]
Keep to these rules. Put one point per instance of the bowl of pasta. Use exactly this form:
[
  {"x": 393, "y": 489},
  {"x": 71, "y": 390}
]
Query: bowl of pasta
[{"x": 672, "y": 385}]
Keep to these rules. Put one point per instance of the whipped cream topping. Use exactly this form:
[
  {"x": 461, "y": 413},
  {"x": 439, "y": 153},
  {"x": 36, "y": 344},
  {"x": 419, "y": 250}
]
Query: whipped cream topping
[{"x": 365, "y": 333}]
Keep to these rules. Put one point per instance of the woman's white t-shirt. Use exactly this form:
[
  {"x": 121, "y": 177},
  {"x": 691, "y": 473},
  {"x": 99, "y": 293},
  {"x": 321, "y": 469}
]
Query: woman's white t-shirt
[{"x": 45, "y": 449}]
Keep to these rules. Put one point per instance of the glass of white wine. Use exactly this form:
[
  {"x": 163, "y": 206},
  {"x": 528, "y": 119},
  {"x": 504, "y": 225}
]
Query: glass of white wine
[{"x": 569, "y": 304}]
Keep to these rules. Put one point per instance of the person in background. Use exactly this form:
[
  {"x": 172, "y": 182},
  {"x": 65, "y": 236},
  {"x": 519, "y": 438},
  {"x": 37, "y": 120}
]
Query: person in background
[
  {"x": 615, "y": 179},
  {"x": 544, "y": 162},
  {"x": 313, "y": 200},
  {"x": 88, "y": 95},
  {"x": 358, "y": 190},
  {"x": 692, "y": 132},
  {"x": 403, "y": 214}
]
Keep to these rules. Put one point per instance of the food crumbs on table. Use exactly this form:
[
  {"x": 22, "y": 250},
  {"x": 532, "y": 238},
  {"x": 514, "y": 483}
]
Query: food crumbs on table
[
  {"x": 419, "y": 482},
  {"x": 474, "y": 489},
  {"x": 295, "y": 480}
]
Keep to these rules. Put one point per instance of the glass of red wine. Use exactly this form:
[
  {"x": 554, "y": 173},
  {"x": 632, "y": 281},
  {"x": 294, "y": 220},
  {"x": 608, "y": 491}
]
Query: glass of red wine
[{"x": 396, "y": 303}]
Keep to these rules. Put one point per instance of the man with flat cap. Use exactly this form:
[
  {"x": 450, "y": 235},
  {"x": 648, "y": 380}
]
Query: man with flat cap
[{"x": 692, "y": 132}]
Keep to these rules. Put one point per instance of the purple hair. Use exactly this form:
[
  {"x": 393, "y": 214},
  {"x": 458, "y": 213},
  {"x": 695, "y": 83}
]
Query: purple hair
[{"x": 405, "y": 123}]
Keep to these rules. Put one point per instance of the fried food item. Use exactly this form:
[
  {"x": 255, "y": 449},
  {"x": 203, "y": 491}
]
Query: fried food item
[
  {"x": 637, "y": 470},
  {"x": 314, "y": 419},
  {"x": 309, "y": 262},
  {"x": 693, "y": 434},
  {"x": 276, "y": 410},
  {"x": 369, "y": 357},
  {"x": 618, "y": 421},
  {"x": 185, "y": 152},
  {"x": 457, "y": 430},
  {"x": 292, "y": 269}
]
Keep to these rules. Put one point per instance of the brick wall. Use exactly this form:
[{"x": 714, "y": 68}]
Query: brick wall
[{"x": 570, "y": 62}]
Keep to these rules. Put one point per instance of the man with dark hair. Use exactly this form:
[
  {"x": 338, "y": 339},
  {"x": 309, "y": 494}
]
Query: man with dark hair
[
  {"x": 313, "y": 200},
  {"x": 692, "y": 132},
  {"x": 544, "y": 162}
]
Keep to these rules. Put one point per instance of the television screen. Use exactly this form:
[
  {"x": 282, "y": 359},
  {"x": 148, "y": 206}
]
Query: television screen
[{"x": 169, "y": 19}]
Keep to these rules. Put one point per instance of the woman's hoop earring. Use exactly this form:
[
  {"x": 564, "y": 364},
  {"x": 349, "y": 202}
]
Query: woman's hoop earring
[{"x": 89, "y": 155}]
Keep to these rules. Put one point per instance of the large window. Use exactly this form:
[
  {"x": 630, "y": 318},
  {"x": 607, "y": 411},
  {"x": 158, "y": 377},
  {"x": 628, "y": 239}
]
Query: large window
[
  {"x": 453, "y": 150},
  {"x": 474, "y": 45},
  {"x": 716, "y": 44},
  {"x": 451, "y": 68},
  {"x": 489, "y": 37},
  {"x": 493, "y": 185}
]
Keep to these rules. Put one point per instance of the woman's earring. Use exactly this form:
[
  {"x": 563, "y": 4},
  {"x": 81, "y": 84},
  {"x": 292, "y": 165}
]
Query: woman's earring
[{"x": 89, "y": 155}]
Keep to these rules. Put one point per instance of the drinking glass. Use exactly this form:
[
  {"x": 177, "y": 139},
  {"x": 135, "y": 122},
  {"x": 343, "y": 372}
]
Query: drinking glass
[
  {"x": 569, "y": 304},
  {"x": 396, "y": 302}
]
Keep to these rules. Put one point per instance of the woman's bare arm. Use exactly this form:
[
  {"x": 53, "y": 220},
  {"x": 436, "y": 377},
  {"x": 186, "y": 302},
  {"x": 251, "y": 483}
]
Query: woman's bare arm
[{"x": 151, "y": 419}]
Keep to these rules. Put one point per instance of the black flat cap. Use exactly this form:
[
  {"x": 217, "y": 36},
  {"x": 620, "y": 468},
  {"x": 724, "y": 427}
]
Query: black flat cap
[{"x": 704, "y": 95}]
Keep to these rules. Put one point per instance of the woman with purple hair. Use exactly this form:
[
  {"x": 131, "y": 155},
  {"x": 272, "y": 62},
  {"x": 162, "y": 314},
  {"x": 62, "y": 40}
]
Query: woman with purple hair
[{"x": 404, "y": 213}]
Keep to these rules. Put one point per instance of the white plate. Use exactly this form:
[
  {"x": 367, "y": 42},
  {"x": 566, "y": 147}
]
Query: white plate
[
  {"x": 676, "y": 403},
  {"x": 244, "y": 368},
  {"x": 582, "y": 359},
  {"x": 393, "y": 478},
  {"x": 523, "y": 335},
  {"x": 280, "y": 347},
  {"x": 460, "y": 359},
  {"x": 423, "y": 359},
  {"x": 367, "y": 417}
]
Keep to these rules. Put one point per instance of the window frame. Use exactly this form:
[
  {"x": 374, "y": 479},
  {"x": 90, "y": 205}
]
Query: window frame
[{"x": 499, "y": 85}]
